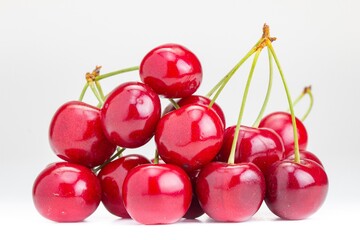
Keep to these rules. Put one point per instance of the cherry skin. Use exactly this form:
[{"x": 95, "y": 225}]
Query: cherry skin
[
  {"x": 172, "y": 70},
  {"x": 304, "y": 154},
  {"x": 111, "y": 178},
  {"x": 200, "y": 100},
  {"x": 296, "y": 190},
  {"x": 195, "y": 209},
  {"x": 130, "y": 114},
  {"x": 76, "y": 135},
  {"x": 157, "y": 193},
  {"x": 260, "y": 146},
  {"x": 66, "y": 192},
  {"x": 281, "y": 123},
  {"x": 189, "y": 137},
  {"x": 230, "y": 193}
]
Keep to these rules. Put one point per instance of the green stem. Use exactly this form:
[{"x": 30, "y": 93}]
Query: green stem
[
  {"x": 156, "y": 158},
  {"x": 174, "y": 103},
  {"x": 310, "y": 106},
  {"x": 96, "y": 93},
  {"x": 291, "y": 107},
  {"x": 117, "y": 154},
  {"x": 82, "y": 94},
  {"x": 222, "y": 83},
  {"x": 266, "y": 100},
  {"x": 99, "y": 88},
  {"x": 231, "y": 159},
  {"x": 106, "y": 75}
]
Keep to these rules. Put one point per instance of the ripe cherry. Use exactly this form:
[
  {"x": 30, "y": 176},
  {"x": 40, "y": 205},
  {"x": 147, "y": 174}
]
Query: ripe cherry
[
  {"x": 295, "y": 190},
  {"x": 66, "y": 192},
  {"x": 189, "y": 137},
  {"x": 261, "y": 146},
  {"x": 200, "y": 100},
  {"x": 112, "y": 177},
  {"x": 76, "y": 135},
  {"x": 230, "y": 192},
  {"x": 281, "y": 123},
  {"x": 306, "y": 155},
  {"x": 130, "y": 114},
  {"x": 195, "y": 209},
  {"x": 172, "y": 70},
  {"x": 157, "y": 193}
]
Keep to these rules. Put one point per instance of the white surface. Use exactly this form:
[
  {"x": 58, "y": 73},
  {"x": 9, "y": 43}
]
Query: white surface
[{"x": 46, "y": 47}]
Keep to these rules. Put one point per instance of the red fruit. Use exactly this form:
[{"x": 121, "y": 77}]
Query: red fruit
[
  {"x": 296, "y": 190},
  {"x": 230, "y": 193},
  {"x": 200, "y": 100},
  {"x": 261, "y": 146},
  {"x": 76, "y": 135},
  {"x": 66, "y": 192},
  {"x": 157, "y": 193},
  {"x": 281, "y": 123},
  {"x": 306, "y": 155},
  {"x": 130, "y": 114},
  {"x": 195, "y": 209},
  {"x": 189, "y": 137},
  {"x": 172, "y": 70},
  {"x": 112, "y": 178}
]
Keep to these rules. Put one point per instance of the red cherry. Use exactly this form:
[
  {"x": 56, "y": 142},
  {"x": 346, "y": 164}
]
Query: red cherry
[
  {"x": 200, "y": 100},
  {"x": 189, "y": 137},
  {"x": 157, "y": 193},
  {"x": 172, "y": 70},
  {"x": 305, "y": 155},
  {"x": 195, "y": 209},
  {"x": 281, "y": 123},
  {"x": 76, "y": 135},
  {"x": 296, "y": 190},
  {"x": 112, "y": 177},
  {"x": 66, "y": 192},
  {"x": 130, "y": 114},
  {"x": 260, "y": 146},
  {"x": 230, "y": 193}
]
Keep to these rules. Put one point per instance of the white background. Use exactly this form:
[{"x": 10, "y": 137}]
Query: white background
[{"x": 46, "y": 47}]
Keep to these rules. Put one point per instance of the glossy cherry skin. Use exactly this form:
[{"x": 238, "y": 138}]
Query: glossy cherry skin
[
  {"x": 195, "y": 209},
  {"x": 157, "y": 193},
  {"x": 189, "y": 137},
  {"x": 111, "y": 178},
  {"x": 76, "y": 135},
  {"x": 281, "y": 123},
  {"x": 172, "y": 70},
  {"x": 200, "y": 100},
  {"x": 296, "y": 190},
  {"x": 66, "y": 192},
  {"x": 306, "y": 155},
  {"x": 130, "y": 114},
  {"x": 230, "y": 193},
  {"x": 261, "y": 146}
]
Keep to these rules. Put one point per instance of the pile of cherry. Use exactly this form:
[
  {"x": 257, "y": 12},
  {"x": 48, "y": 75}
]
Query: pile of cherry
[{"x": 200, "y": 165}]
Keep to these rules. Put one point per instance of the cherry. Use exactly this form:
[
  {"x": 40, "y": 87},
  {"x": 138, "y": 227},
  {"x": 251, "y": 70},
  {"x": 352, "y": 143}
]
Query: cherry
[
  {"x": 260, "y": 146},
  {"x": 281, "y": 123},
  {"x": 157, "y": 193},
  {"x": 66, "y": 192},
  {"x": 172, "y": 70},
  {"x": 305, "y": 155},
  {"x": 111, "y": 178},
  {"x": 130, "y": 114},
  {"x": 189, "y": 137},
  {"x": 200, "y": 100},
  {"x": 76, "y": 135},
  {"x": 295, "y": 190},
  {"x": 230, "y": 192},
  {"x": 195, "y": 209}
]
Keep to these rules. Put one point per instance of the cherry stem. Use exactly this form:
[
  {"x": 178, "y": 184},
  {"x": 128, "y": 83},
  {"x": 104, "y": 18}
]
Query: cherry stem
[
  {"x": 220, "y": 85},
  {"x": 306, "y": 91},
  {"x": 96, "y": 93},
  {"x": 231, "y": 159},
  {"x": 291, "y": 107},
  {"x": 82, "y": 94},
  {"x": 156, "y": 158},
  {"x": 268, "y": 91},
  {"x": 117, "y": 154},
  {"x": 174, "y": 103},
  {"x": 110, "y": 74},
  {"x": 99, "y": 88}
]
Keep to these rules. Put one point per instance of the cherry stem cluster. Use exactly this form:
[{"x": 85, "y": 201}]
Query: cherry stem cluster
[
  {"x": 265, "y": 41},
  {"x": 306, "y": 91}
]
